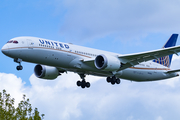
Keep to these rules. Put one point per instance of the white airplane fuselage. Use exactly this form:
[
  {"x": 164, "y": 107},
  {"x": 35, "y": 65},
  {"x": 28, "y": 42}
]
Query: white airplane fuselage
[{"x": 69, "y": 57}]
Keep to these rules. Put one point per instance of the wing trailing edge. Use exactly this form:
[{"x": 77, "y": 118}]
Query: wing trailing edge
[{"x": 173, "y": 71}]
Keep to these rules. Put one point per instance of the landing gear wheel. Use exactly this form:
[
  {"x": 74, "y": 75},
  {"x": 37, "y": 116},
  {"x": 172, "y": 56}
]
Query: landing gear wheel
[
  {"x": 18, "y": 60},
  {"x": 83, "y": 84},
  {"x": 108, "y": 79},
  {"x": 113, "y": 80},
  {"x": 88, "y": 84},
  {"x": 78, "y": 83},
  {"x": 118, "y": 81},
  {"x": 19, "y": 67}
]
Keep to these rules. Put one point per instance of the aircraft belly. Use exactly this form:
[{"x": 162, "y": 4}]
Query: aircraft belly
[{"x": 143, "y": 75}]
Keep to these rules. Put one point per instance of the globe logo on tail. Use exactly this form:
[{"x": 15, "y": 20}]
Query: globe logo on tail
[{"x": 163, "y": 61}]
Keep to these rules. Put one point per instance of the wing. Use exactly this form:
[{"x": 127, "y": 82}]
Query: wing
[
  {"x": 89, "y": 61},
  {"x": 173, "y": 71},
  {"x": 134, "y": 59}
]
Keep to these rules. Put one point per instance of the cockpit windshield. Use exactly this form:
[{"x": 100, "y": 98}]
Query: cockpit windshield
[
  {"x": 13, "y": 41},
  {"x": 10, "y": 41}
]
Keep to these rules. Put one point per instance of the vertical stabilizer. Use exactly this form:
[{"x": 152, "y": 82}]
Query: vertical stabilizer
[{"x": 166, "y": 60}]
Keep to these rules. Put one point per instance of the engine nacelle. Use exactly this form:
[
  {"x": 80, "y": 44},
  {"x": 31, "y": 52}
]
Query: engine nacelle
[
  {"x": 107, "y": 63},
  {"x": 46, "y": 72}
]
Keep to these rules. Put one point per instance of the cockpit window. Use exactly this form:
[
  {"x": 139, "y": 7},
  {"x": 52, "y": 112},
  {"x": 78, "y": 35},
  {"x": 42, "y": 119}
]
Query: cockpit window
[
  {"x": 13, "y": 41},
  {"x": 10, "y": 41}
]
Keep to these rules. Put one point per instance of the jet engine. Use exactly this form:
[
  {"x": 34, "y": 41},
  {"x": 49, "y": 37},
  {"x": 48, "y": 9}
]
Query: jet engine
[
  {"x": 107, "y": 63},
  {"x": 46, "y": 72}
]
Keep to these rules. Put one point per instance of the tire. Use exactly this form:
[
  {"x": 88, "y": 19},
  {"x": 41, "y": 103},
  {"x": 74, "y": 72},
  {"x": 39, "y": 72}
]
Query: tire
[
  {"x": 21, "y": 67},
  {"x": 88, "y": 84},
  {"x": 108, "y": 79},
  {"x": 78, "y": 83},
  {"x": 113, "y": 82},
  {"x": 83, "y": 84},
  {"x": 18, "y": 68},
  {"x": 118, "y": 81}
]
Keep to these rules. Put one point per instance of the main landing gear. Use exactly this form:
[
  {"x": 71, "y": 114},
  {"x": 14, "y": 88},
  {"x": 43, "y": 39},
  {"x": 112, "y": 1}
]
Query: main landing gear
[
  {"x": 19, "y": 67},
  {"x": 83, "y": 83},
  {"x": 113, "y": 80}
]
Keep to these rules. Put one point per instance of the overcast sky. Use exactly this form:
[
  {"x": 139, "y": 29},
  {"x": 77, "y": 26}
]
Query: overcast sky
[{"x": 113, "y": 25}]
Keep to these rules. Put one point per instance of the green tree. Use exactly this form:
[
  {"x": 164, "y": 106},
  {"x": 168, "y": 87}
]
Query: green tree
[{"x": 22, "y": 112}]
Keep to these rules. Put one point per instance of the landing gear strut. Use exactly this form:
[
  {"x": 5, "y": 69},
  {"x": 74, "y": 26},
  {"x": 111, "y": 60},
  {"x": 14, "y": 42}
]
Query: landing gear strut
[
  {"x": 19, "y": 67},
  {"x": 83, "y": 83},
  {"x": 113, "y": 80}
]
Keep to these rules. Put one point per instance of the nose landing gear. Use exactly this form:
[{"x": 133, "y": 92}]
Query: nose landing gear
[{"x": 19, "y": 67}]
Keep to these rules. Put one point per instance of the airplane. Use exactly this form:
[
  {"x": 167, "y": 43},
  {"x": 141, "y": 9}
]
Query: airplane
[{"x": 54, "y": 58}]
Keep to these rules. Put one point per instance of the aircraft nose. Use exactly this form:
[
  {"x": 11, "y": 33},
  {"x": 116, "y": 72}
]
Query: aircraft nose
[{"x": 5, "y": 49}]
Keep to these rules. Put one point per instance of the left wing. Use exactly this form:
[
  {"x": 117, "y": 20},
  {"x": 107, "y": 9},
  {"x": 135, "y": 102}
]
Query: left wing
[
  {"x": 89, "y": 61},
  {"x": 134, "y": 59},
  {"x": 173, "y": 71}
]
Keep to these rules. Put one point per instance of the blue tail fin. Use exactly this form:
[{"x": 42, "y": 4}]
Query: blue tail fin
[{"x": 166, "y": 60}]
